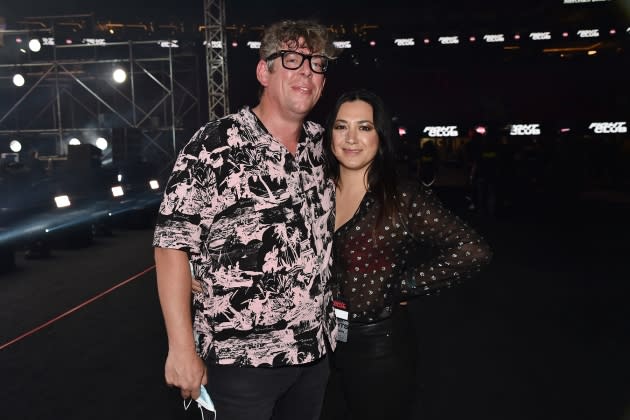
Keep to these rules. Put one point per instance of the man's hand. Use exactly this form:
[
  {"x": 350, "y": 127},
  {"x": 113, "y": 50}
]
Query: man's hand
[
  {"x": 184, "y": 368},
  {"x": 186, "y": 371}
]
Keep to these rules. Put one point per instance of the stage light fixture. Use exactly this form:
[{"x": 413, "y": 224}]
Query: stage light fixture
[
  {"x": 472, "y": 39},
  {"x": 234, "y": 44},
  {"x": 74, "y": 141},
  {"x": 591, "y": 52},
  {"x": 34, "y": 45},
  {"x": 62, "y": 201},
  {"x": 119, "y": 75},
  {"x": 480, "y": 129},
  {"x": 117, "y": 191},
  {"x": 372, "y": 43},
  {"x": 15, "y": 146},
  {"x": 18, "y": 80},
  {"x": 402, "y": 131},
  {"x": 613, "y": 31},
  {"x": 101, "y": 143},
  {"x": 154, "y": 184}
]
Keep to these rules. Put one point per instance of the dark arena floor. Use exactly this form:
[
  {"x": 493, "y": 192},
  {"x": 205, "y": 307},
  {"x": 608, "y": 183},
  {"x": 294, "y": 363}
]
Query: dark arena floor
[{"x": 543, "y": 334}]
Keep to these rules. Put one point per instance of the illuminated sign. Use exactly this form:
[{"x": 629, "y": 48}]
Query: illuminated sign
[
  {"x": 342, "y": 44},
  {"x": 588, "y": 33},
  {"x": 584, "y": 1},
  {"x": 214, "y": 44},
  {"x": 168, "y": 44},
  {"x": 48, "y": 41},
  {"x": 446, "y": 40},
  {"x": 441, "y": 131},
  {"x": 525, "y": 130},
  {"x": 539, "y": 36},
  {"x": 494, "y": 38},
  {"x": 404, "y": 42},
  {"x": 254, "y": 45},
  {"x": 608, "y": 127},
  {"x": 93, "y": 41}
]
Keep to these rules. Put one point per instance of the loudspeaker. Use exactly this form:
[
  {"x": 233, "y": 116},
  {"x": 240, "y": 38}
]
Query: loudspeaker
[{"x": 84, "y": 156}]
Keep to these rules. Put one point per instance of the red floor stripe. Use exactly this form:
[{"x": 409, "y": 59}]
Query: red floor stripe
[{"x": 76, "y": 308}]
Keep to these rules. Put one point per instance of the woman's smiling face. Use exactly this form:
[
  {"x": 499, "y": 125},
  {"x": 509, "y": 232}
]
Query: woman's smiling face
[{"x": 354, "y": 136}]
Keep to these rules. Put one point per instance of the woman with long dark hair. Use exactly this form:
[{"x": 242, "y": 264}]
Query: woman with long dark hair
[{"x": 393, "y": 240}]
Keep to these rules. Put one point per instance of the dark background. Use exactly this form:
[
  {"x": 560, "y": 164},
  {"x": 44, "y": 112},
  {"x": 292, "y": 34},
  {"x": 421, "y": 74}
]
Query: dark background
[{"x": 543, "y": 334}]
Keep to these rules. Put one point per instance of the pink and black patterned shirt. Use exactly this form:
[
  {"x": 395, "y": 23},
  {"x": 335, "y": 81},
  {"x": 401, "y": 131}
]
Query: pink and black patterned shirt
[{"x": 257, "y": 224}]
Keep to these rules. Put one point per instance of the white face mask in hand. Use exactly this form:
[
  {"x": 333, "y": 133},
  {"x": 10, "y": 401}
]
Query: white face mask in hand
[{"x": 203, "y": 402}]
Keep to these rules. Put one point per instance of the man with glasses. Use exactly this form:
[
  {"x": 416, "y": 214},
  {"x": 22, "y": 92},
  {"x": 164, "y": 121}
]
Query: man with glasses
[{"x": 248, "y": 206}]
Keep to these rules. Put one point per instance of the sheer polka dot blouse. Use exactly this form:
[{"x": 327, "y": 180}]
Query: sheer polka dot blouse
[{"x": 422, "y": 248}]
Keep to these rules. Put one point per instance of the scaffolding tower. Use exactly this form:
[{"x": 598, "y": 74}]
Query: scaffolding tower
[
  {"x": 216, "y": 58},
  {"x": 69, "y": 92}
]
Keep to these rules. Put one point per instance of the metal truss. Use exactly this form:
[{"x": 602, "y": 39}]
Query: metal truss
[
  {"x": 71, "y": 95},
  {"x": 216, "y": 58}
]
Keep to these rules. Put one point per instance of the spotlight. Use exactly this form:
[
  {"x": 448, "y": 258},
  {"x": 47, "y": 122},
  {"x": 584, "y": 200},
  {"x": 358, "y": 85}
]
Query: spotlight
[
  {"x": 372, "y": 43},
  {"x": 101, "y": 143},
  {"x": 591, "y": 52},
  {"x": 74, "y": 141},
  {"x": 34, "y": 45},
  {"x": 565, "y": 34},
  {"x": 18, "y": 80},
  {"x": 62, "y": 201},
  {"x": 480, "y": 129},
  {"x": 15, "y": 146},
  {"x": 612, "y": 31},
  {"x": 118, "y": 191},
  {"x": 472, "y": 39},
  {"x": 402, "y": 131},
  {"x": 517, "y": 36},
  {"x": 154, "y": 184},
  {"x": 119, "y": 75},
  {"x": 234, "y": 44}
]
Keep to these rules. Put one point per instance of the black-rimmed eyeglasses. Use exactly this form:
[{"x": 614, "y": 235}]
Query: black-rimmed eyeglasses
[{"x": 293, "y": 60}]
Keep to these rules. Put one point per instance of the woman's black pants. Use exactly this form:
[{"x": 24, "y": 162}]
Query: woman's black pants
[{"x": 373, "y": 374}]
